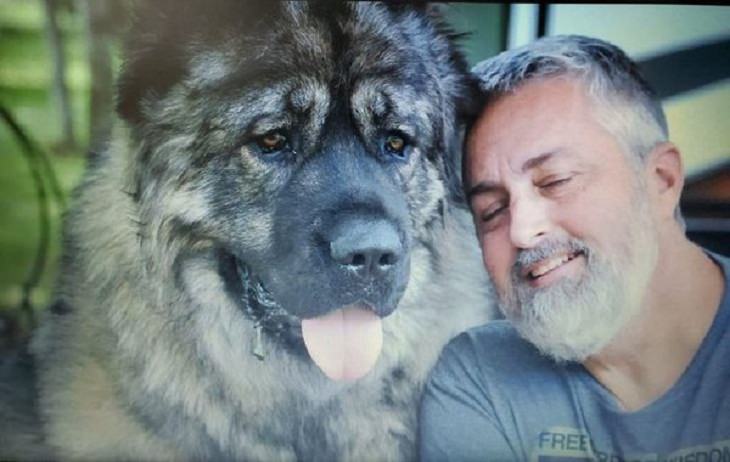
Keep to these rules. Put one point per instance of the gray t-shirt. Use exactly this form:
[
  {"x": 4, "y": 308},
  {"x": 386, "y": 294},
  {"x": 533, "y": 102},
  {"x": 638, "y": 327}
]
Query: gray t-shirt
[{"x": 492, "y": 396}]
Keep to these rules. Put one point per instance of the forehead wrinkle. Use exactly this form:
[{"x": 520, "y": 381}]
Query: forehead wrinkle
[
  {"x": 537, "y": 161},
  {"x": 548, "y": 158}
]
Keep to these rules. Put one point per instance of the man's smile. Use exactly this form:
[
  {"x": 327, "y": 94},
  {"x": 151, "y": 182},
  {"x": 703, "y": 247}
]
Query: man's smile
[{"x": 548, "y": 270}]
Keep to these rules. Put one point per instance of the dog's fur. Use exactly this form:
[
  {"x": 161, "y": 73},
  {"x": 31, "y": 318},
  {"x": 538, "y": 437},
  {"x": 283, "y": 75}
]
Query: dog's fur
[{"x": 147, "y": 352}]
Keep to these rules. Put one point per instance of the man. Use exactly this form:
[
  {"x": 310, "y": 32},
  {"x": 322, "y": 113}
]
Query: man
[{"x": 616, "y": 344}]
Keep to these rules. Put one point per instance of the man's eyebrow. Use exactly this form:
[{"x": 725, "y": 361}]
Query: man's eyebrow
[
  {"x": 538, "y": 160},
  {"x": 483, "y": 187}
]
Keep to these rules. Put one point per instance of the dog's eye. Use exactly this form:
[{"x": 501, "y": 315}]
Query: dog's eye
[
  {"x": 272, "y": 142},
  {"x": 396, "y": 145}
]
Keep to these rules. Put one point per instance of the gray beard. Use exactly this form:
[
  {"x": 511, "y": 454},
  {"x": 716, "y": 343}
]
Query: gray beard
[{"x": 573, "y": 319}]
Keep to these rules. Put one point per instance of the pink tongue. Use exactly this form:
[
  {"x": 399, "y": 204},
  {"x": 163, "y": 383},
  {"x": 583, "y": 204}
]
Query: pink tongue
[{"x": 344, "y": 343}]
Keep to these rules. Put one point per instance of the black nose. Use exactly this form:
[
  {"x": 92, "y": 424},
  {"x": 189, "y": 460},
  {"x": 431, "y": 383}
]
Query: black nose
[{"x": 368, "y": 247}]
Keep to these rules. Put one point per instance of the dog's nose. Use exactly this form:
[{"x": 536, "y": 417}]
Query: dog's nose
[{"x": 369, "y": 248}]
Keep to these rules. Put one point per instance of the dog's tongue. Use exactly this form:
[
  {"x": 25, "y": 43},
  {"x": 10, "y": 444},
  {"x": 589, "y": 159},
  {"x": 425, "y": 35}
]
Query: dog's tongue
[{"x": 344, "y": 343}]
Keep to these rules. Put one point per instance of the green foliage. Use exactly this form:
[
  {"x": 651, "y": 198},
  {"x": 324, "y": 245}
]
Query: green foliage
[{"x": 25, "y": 82}]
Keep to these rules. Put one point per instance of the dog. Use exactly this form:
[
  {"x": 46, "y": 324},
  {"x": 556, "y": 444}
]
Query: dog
[{"x": 269, "y": 256}]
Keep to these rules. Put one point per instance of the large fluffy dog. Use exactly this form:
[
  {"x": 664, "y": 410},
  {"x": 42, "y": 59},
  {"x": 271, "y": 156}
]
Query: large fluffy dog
[{"x": 275, "y": 208}]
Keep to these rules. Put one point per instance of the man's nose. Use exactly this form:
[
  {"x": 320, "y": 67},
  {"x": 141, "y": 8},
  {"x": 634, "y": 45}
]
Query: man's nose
[{"x": 529, "y": 222}]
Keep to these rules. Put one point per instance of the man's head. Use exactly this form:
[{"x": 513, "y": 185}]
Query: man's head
[
  {"x": 569, "y": 177},
  {"x": 626, "y": 104}
]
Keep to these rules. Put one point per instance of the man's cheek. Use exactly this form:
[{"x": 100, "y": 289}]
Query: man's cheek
[{"x": 498, "y": 259}]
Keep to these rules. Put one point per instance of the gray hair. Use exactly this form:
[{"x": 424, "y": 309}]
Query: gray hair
[
  {"x": 627, "y": 106},
  {"x": 625, "y": 103}
]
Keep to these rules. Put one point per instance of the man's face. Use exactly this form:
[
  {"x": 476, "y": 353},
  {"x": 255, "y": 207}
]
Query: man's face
[{"x": 562, "y": 218}]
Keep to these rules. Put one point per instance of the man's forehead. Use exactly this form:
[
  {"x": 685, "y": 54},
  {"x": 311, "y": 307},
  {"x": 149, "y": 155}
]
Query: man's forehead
[
  {"x": 486, "y": 162},
  {"x": 485, "y": 180},
  {"x": 526, "y": 126}
]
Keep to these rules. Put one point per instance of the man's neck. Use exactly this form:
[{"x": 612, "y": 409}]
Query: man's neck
[{"x": 650, "y": 354}]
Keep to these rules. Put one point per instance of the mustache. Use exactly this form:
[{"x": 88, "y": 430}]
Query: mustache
[{"x": 546, "y": 249}]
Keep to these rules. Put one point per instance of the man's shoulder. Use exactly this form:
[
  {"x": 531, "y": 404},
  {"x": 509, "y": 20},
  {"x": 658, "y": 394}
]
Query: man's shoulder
[
  {"x": 498, "y": 379},
  {"x": 495, "y": 331},
  {"x": 495, "y": 351},
  {"x": 498, "y": 338}
]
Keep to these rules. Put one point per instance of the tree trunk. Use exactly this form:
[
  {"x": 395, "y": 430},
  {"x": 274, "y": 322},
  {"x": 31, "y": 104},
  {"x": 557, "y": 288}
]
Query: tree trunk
[
  {"x": 60, "y": 90},
  {"x": 99, "y": 38}
]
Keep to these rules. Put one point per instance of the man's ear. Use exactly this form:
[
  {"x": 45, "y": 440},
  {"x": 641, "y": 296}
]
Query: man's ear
[{"x": 666, "y": 177}]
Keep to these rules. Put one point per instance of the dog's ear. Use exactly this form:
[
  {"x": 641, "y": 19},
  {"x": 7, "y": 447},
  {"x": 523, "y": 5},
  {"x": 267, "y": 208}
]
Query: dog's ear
[
  {"x": 152, "y": 56},
  {"x": 462, "y": 89},
  {"x": 159, "y": 38},
  {"x": 469, "y": 104}
]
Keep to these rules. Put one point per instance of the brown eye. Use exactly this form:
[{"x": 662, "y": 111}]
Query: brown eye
[
  {"x": 272, "y": 142},
  {"x": 395, "y": 144}
]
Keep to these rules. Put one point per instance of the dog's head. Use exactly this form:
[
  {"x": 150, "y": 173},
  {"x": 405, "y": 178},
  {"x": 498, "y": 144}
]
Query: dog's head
[{"x": 299, "y": 150}]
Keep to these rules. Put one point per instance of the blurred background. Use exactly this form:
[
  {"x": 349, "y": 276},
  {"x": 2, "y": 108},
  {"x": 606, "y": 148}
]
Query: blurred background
[{"x": 58, "y": 59}]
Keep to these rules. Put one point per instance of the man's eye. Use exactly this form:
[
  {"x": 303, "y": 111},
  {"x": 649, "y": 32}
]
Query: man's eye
[
  {"x": 492, "y": 212},
  {"x": 272, "y": 142},
  {"x": 554, "y": 183}
]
